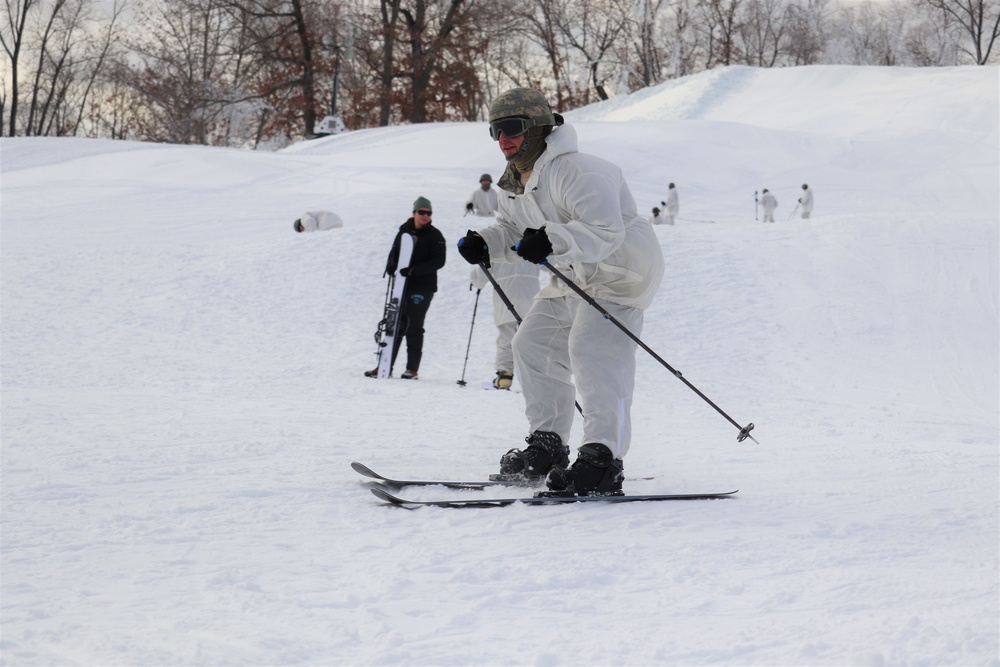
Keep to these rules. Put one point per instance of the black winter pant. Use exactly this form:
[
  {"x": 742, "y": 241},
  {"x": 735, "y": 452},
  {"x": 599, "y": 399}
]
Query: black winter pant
[{"x": 415, "y": 306}]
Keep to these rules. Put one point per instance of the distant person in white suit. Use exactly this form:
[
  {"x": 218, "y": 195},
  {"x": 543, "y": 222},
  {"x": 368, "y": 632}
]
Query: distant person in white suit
[
  {"x": 672, "y": 205},
  {"x": 768, "y": 203},
  {"x": 806, "y": 200},
  {"x": 483, "y": 200},
  {"x": 656, "y": 218},
  {"x": 519, "y": 281},
  {"x": 317, "y": 221}
]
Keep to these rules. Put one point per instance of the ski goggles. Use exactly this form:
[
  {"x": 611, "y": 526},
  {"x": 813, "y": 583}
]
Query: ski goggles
[{"x": 511, "y": 127}]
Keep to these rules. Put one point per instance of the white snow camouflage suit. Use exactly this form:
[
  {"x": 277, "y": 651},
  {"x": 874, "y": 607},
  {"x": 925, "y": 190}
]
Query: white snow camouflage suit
[{"x": 565, "y": 347}]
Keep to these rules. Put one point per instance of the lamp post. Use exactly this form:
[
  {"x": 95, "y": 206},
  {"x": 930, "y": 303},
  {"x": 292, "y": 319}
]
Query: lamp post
[{"x": 331, "y": 124}]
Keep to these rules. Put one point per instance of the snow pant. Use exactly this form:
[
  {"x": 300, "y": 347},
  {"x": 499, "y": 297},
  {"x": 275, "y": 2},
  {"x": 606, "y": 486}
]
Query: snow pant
[
  {"x": 505, "y": 355},
  {"x": 768, "y": 216},
  {"x": 415, "y": 306},
  {"x": 564, "y": 348},
  {"x": 805, "y": 214}
]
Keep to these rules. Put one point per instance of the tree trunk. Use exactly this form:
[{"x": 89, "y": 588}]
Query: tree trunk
[
  {"x": 390, "y": 14},
  {"x": 16, "y": 21},
  {"x": 308, "y": 81}
]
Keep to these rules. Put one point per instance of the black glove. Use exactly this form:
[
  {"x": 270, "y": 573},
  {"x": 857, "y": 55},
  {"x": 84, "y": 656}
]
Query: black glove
[
  {"x": 663, "y": 203},
  {"x": 472, "y": 247},
  {"x": 534, "y": 246},
  {"x": 405, "y": 271},
  {"x": 468, "y": 207}
]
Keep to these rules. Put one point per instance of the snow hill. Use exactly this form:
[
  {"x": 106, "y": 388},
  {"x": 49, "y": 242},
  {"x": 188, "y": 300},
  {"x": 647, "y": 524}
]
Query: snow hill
[{"x": 182, "y": 395}]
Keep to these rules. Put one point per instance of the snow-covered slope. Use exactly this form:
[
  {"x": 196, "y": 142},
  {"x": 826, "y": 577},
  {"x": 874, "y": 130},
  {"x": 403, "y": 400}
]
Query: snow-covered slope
[{"x": 182, "y": 394}]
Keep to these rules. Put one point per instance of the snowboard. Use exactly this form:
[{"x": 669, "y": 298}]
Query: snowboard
[{"x": 389, "y": 327}]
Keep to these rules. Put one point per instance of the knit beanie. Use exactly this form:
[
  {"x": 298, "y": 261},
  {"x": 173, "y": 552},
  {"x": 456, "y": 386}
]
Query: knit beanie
[{"x": 422, "y": 202}]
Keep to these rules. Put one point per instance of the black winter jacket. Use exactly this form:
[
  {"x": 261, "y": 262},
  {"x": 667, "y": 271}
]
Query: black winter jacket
[{"x": 428, "y": 256}]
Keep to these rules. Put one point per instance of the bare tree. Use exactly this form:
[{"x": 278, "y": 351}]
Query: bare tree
[
  {"x": 644, "y": 42},
  {"x": 62, "y": 55},
  {"x": 56, "y": 69},
  {"x": 978, "y": 20},
  {"x": 806, "y": 31},
  {"x": 12, "y": 39},
  {"x": 685, "y": 38},
  {"x": 541, "y": 29},
  {"x": 99, "y": 53},
  {"x": 929, "y": 41},
  {"x": 593, "y": 28},
  {"x": 762, "y": 31},
  {"x": 720, "y": 22},
  {"x": 179, "y": 51},
  {"x": 389, "y": 10},
  {"x": 435, "y": 30},
  {"x": 285, "y": 41},
  {"x": 874, "y": 34}
]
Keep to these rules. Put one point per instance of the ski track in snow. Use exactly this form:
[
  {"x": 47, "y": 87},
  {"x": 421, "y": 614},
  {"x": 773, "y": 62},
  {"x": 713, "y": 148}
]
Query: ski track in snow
[{"x": 182, "y": 396}]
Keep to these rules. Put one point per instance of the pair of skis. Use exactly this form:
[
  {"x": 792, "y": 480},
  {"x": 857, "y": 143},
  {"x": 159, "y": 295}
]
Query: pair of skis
[{"x": 383, "y": 490}]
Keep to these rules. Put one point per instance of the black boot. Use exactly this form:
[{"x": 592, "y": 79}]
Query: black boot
[
  {"x": 596, "y": 472},
  {"x": 544, "y": 450}
]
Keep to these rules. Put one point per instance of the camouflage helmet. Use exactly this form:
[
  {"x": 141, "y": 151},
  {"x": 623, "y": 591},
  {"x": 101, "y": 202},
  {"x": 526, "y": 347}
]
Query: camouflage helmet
[{"x": 526, "y": 103}]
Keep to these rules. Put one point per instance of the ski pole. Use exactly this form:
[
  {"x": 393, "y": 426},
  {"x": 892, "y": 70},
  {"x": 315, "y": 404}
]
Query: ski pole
[
  {"x": 381, "y": 325},
  {"x": 744, "y": 430},
  {"x": 756, "y": 206},
  {"x": 793, "y": 211},
  {"x": 513, "y": 311},
  {"x": 475, "y": 307}
]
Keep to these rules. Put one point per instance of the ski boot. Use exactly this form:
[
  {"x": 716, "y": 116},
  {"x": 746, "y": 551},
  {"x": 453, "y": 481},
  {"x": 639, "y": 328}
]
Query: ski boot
[
  {"x": 530, "y": 465},
  {"x": 503, "y": 380},
  {"x": 596, "y": 472}
]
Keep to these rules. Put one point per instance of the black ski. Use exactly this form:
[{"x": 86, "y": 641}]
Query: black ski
[
  {"x": 362, "y": 469},
  {"x": 383, "y": 494}
]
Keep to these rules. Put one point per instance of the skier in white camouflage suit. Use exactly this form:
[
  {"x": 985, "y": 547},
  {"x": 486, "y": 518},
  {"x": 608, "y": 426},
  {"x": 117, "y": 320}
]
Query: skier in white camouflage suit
[
  {"x": 673, "y": 205},
  {"x": 806, "y": 200},
  {"x": 575, "y": 211},
  {"x": 768, "y": 202},
  {"x": 483, "y": 200},
  {"x": 519, "y": 282}
]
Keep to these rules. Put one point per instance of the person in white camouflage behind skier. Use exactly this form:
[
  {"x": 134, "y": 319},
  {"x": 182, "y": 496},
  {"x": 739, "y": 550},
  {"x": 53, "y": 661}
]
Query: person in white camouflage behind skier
[
  {"x": 483, "y": 200},
  {"x": 768, "y": 202},
  {"x": 519, "y": 282},
  {"x": 806, "y": 200},
  {"x": 673, "y": 205},
  {"x": 575, "y": 211}
]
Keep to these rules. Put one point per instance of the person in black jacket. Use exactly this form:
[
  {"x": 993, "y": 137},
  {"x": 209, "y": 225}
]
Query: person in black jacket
[{"x": 421, "y": 282}]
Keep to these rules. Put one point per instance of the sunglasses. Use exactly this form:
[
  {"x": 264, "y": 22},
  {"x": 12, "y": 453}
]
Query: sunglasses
[
  {"x": 422, "y": 212},
  {"x": 511, "y": 127}
]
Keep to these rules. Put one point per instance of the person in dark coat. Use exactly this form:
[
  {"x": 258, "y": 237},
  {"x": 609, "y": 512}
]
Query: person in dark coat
[{"x": 421, "y": 283}]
